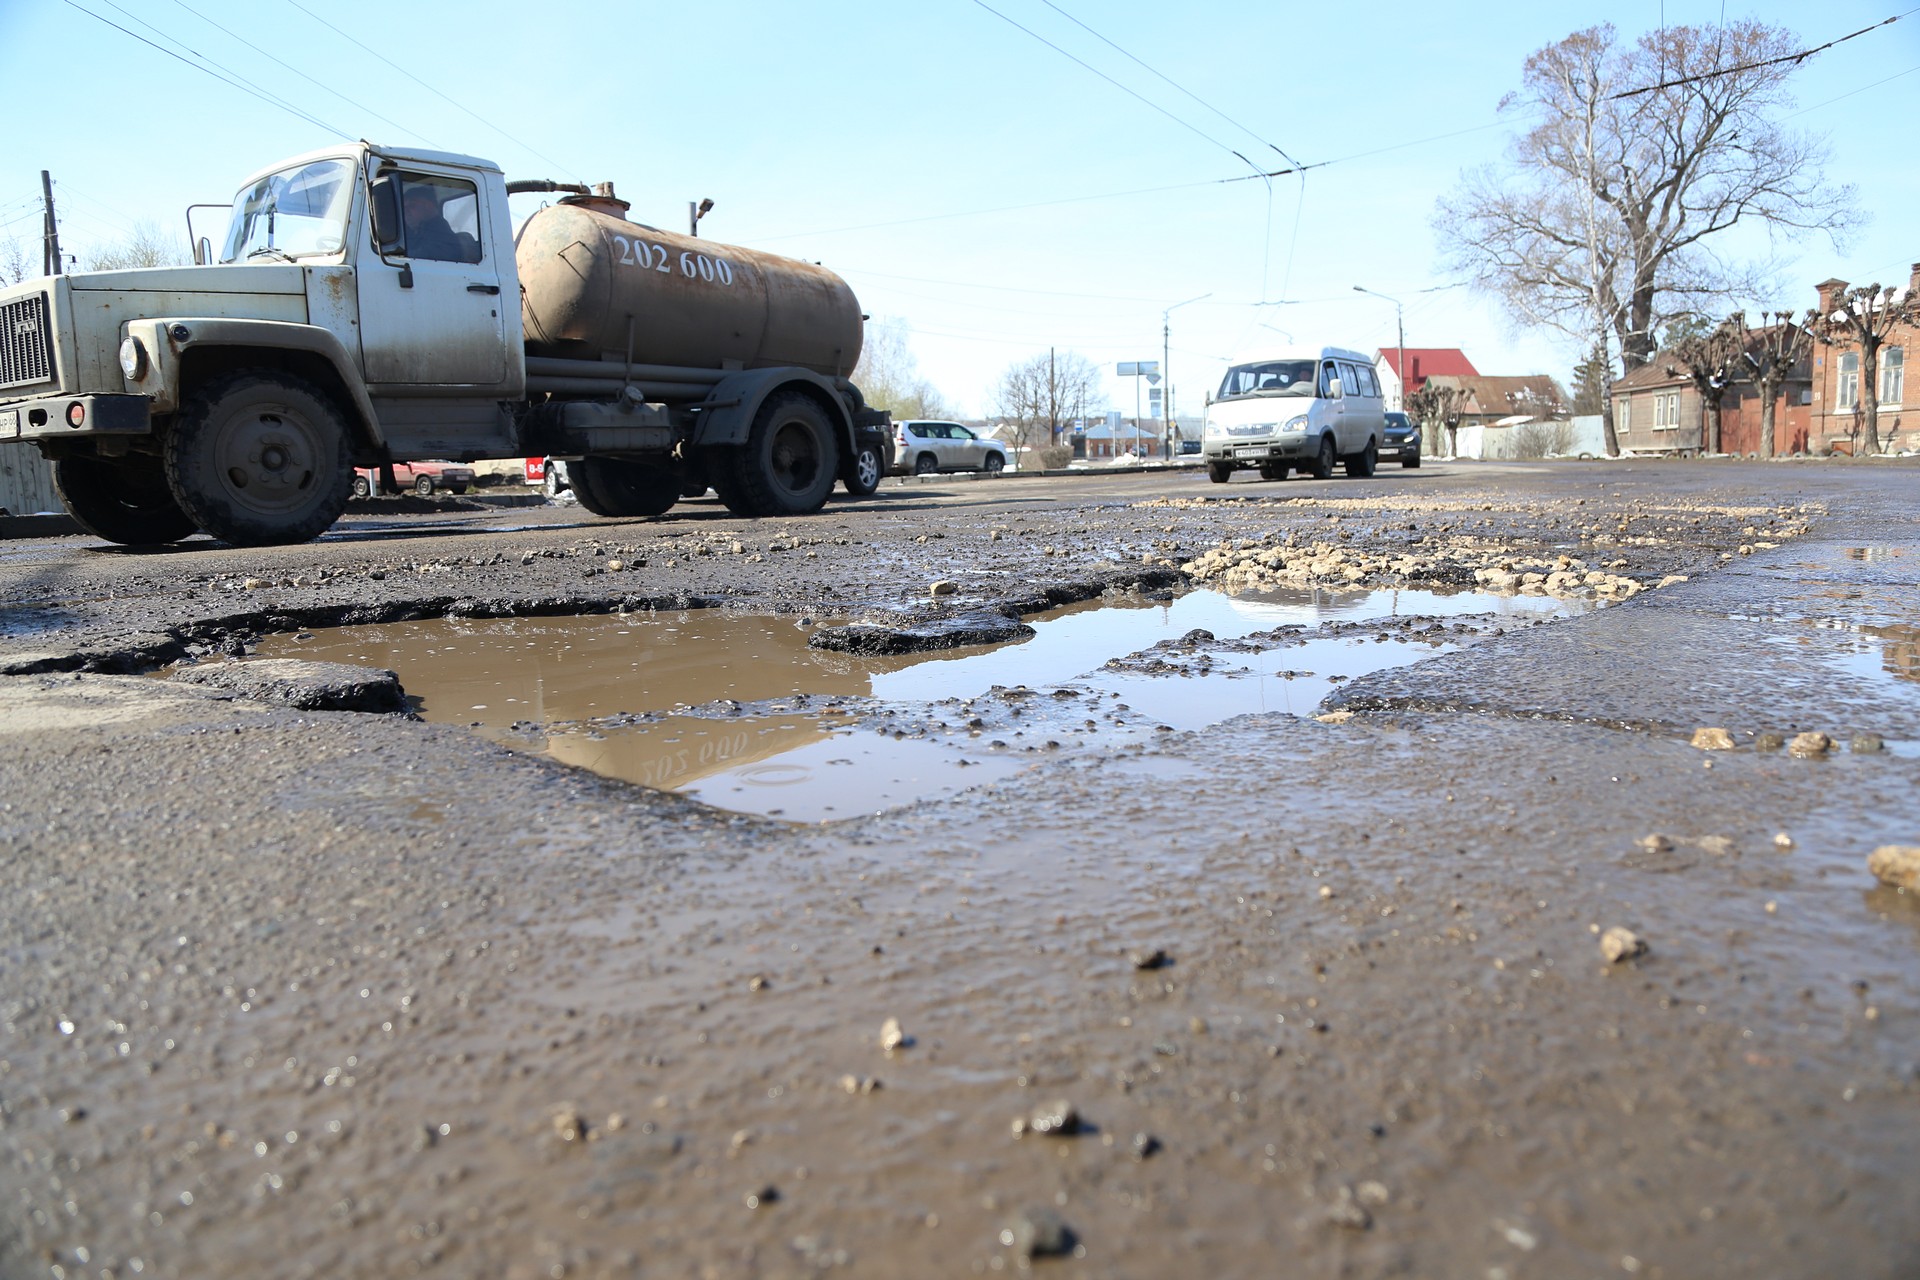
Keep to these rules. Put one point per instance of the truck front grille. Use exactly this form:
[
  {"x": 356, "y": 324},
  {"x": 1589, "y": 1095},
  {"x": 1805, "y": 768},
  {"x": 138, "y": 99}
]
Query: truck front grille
[{"x": 26, "y": 341}]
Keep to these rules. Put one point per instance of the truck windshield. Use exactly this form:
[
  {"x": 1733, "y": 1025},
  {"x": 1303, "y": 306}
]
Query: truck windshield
[
  {"x": 293, "y": 213},
  {"x": 1268, "y": 378}
]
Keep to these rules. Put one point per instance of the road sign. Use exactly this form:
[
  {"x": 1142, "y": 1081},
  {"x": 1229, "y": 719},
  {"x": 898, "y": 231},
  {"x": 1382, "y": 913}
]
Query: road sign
[{"x": 1138, "y": 369}]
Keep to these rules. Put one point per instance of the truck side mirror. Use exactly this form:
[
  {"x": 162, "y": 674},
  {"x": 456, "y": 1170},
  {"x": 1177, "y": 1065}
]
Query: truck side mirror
[
  {"x": 203, "y": 252},
  {"x": 388, "y": 231},
  {"x": 1334, "y": 389}
]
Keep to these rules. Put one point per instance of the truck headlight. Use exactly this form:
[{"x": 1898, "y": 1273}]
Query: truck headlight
[
  {"x": 1296, "y": 424},
  {"x": 133, "y": 359}
]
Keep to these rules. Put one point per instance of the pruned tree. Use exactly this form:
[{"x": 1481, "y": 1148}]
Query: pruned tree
[
  {"x": 1712, "y": 360},
  {"x": 889, "y": 376},
  {"x": 1771, "y": 354},
  {"x": 1438, "y": 408},
  {"x": 1865, "y": 317},
  {"x": 1040, "y": 396},
  {"x": 1637, "y": 160},
  {"x": 147, "y": 245}
]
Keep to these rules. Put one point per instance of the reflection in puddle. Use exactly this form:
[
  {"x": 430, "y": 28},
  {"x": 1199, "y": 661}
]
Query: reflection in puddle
[{"x": 648, "y": 697}]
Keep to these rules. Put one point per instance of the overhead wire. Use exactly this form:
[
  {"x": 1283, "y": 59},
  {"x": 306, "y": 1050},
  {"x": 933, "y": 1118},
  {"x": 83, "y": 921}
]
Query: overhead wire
[
  {"x": 1795, "y": 58},
  {"x": 527, "y": 146},
  {"x": 303, "y": 75},
  {"x": 203, "y": 64},
  {"x": 1300, "y": 203}
]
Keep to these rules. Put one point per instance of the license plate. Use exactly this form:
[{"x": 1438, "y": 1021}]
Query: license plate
[
  {"x": 9, "y": 423},
  {"x": 1250, "y": 453}
]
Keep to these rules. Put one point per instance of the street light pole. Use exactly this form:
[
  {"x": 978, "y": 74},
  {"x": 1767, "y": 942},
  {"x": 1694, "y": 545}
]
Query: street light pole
[
  {"x": 1401, "y": 329},
  {"x": 1166, "y": 369}
]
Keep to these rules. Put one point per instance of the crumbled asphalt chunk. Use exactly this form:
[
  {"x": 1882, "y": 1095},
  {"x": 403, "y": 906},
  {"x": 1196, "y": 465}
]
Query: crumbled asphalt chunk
[
  {"x": 305, "y": 686},
  {"x": 980, "y": 627}
]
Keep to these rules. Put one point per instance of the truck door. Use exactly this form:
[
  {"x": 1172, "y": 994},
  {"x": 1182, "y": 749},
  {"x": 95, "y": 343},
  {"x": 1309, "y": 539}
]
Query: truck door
[{"x": 430, "y": 308}]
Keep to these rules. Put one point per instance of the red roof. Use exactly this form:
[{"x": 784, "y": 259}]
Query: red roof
[{"x": 1429, "y": 362}]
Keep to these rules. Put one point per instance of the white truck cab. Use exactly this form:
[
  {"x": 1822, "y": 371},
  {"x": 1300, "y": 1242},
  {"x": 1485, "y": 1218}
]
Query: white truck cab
[{"x": 1295, "y": 407}]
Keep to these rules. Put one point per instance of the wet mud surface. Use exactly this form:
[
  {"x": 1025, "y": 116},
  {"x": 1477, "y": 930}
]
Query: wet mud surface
[{"x": 323, "y": 993}]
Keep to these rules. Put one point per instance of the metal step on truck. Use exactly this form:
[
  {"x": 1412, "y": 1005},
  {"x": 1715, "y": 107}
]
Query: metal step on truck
[{"x": 371, "y": 306}]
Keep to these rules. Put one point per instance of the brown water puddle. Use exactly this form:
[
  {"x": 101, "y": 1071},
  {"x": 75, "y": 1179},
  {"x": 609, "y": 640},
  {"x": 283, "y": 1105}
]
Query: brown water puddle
[{"x": 679, "y": 700}]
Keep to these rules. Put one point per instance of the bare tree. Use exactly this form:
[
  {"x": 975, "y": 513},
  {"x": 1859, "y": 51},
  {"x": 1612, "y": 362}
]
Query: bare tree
[
  {"x": 13, "y": 261},
  {"x": 1535, "y": 440},
  {"x": 1865, "y": 317},
  {"x": 1770, "y": 355},
  {"x": 147, "y": 245},
  {"x": 1712, "y": 361},
  {"x": 1438, "y": 408},
  {"x": 1604, "y": 220},
  {"x": 1038, "y": 397},
  {"x": 889, "y": 376}
]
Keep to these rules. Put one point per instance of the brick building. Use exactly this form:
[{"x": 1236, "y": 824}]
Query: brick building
[
  {"x": 1835, "y": 419},
  {"x": 1656, "y": 408}
]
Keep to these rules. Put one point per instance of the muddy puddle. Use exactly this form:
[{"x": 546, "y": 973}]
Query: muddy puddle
[{"x": 738, "y": 710}]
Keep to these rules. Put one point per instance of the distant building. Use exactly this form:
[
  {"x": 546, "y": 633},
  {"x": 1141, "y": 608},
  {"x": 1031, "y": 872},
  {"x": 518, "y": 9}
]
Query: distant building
[
  {"x": 1422, "y": 363},
  {"x": 1506, "y": 401}
]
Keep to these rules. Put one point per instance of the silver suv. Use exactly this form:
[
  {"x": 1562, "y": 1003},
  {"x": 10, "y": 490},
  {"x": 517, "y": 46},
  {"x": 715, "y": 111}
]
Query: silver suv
[{"x": 923, "y": 447}]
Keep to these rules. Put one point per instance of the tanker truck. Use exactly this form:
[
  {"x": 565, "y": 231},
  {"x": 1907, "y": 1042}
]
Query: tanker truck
[{"x": 372, "y": 305}]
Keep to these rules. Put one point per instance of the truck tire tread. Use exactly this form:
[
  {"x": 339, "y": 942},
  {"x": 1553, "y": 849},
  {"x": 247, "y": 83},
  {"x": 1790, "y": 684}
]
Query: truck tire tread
[{"x": 259, "y": 457}]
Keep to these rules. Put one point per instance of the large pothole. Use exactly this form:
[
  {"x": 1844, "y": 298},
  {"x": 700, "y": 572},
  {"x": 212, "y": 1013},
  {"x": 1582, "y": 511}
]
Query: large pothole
[{"x": 742, "y": 713}]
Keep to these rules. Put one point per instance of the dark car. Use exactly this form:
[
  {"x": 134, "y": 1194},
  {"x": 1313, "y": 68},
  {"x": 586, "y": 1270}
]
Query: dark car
[{"x": 1402, "y": 439}]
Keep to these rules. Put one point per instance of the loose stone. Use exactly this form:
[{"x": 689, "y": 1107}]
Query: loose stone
[
  {"x": 1897, "y": 865},
  {"x": 1056, "y": 1117},
  {"x": 1618, "y": 944},
  {"x": 1810, "y": 745},
  {"x": 1713, "y": 739},
  {"x": 1039, "y": 1232}
]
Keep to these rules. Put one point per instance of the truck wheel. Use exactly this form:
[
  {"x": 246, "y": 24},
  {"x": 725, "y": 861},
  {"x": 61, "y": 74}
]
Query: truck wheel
[
  {"x": 788, "y": 465},
  {"x": 554, "y": 484},
  {"x": 423, "y": 485},
  {"x": 1219, "y": 472},
  {"x": 925, "y": 465},
  {"x": 1361, "y": 465},
  {"x": 362, "y": 488},
  {"x": 122, "y": 500},
  {"x": 869, "y": 465},
  {"x": 995, "y": 464},
  {"x": 1273, "y": 471},
  {"x": 260, "y": 458},
  {"x": 1322, "y": 465},
  {"x": 618, "y": 487}
]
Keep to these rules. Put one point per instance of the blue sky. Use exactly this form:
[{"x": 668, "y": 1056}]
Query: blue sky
[{"x": 984, "y": 188}]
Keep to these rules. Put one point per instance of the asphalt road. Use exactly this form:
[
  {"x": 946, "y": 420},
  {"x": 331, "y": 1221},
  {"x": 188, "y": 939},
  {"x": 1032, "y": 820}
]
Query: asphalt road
[{"x": 323, "y": 993}]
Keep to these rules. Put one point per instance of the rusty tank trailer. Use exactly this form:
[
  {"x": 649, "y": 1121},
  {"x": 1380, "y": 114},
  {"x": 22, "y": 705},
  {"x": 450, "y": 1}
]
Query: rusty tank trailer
[{"x": 598, "y": 287}]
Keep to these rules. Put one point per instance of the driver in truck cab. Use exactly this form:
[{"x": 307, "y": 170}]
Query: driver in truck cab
[{"x": 428, "y": 235}]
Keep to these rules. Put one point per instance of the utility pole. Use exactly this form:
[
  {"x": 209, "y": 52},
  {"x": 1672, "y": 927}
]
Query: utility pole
[
  {"x": 1166, "y": 370},
  {"x": 1053, "y": 404},
  {"x": 1401, "y": 330},
  {"x": 50, "y": 264}
]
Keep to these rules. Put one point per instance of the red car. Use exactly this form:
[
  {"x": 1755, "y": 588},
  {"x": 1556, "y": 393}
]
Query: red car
[{"x": 424, "y": 478}]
